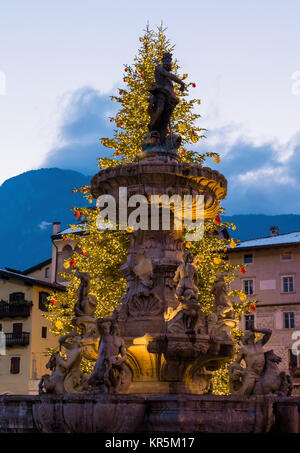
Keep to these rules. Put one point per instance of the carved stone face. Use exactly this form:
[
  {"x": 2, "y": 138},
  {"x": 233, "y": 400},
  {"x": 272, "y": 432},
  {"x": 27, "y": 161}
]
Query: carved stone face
[
  {"x": 103, "y": 328},
  {"x": 116, "y": 330},
  {"x": 248, "y": 338}
]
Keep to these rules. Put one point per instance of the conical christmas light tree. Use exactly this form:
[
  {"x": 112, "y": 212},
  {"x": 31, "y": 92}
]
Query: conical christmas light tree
[{"x": 102, "y": 251}]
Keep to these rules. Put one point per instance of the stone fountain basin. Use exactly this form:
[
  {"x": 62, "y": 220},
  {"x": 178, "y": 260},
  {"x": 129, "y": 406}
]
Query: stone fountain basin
[
  {"x": 129, "y": 413},
  {"x": 72, "y": 413}
]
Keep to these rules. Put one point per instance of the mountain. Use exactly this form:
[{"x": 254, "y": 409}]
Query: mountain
[{"x": 30, "y": 202}]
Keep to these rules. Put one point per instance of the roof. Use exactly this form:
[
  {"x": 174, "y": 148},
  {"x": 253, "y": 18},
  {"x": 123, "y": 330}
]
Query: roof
[
  {"x": 6, "y": 275},
  {"x": 279, "y": 240},
  {"x": 77, "y": 230}
]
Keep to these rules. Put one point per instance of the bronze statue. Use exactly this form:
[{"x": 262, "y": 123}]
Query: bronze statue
[
  {"x": 163, "y": 99},
  {"x": 261, "y": 375}
]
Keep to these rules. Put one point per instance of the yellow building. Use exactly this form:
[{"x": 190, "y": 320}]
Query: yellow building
[{"x": 23, "y": 301}]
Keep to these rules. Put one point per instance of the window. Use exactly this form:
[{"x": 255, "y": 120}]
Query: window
[
  {"x": 248, "y": 287},
  {"x": 286, "y": 256},
  {"x": 67, "y": 252},
  {"x": 43, "y": 302},
  {"x": 47, "y": 272},
  {"x": 17, "y": 329},
  {"x": 16, "y": 297},
  {"x": 248, "y": 258},
  {"x": 293, "y": 360},
  {"x": 249, "y": 321},
  {"x": 34, "y": 370},
  {"x": 44, "y": 332},
  {"x": 288, "y": 284},
  {"x": 15, "y": 365},
  {"x": 289, "y": 320}
]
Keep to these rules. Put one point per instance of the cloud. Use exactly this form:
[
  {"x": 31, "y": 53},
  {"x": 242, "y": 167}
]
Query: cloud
[
  {"x": 262, "y": 178},
  {"x": 85, "y": 120},
  {"x": 44, "y": 225}
]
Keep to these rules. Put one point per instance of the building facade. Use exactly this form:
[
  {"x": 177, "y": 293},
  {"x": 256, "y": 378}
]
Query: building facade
[
  {"x": 272, "y": 279},
  {"x": 24, "y": 332}
]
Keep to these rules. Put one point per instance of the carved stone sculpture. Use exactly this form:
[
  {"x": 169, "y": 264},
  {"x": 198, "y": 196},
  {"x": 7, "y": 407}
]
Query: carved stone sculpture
[
  {"x": 186, "y": 278},
  {"x": 110, "y": 373},
  {"x": 66, "y": 374},
  {"x": 261, "y": 375},
  {"x": 84, "y": 320},
  {"x": 53, "y": 383},
  {"x": 222, "y": 320},
  {"x": 86, "y": 304},
  {"x": 163, "y": 99}
]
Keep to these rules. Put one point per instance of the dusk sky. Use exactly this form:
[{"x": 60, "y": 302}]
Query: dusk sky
[{"x": 61, "y": 60}]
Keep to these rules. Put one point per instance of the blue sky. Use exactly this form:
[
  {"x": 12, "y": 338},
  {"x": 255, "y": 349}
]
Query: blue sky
[{"x": 62, "y": 59}]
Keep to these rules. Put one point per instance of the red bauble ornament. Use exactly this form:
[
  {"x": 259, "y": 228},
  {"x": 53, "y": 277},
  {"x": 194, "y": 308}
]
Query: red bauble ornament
[
  {"x": 193, "y": 132},
  {"x": 215, "y": 292},
  {"x": 252, "y": 307},
  {"x": 83, "y": 253},
  {"x": 73, "y": 262},
  {"x": 125, "y": 69},
  {"x": 212, "y": 231},
  {"x": 142, "y": 75},
  {"x": 242, "y": 270},
  {"x": 77, "y": 214},
  {"x": 120, "y": 92},
  {"x": 73, "y": 191},
  {"x": 65, "y": 239},
  {"x": 217, "y": 219},
  {"x": 183, "y": 152},
  {"x": 53, "y": 302},
  {"x": 193, "y": 85},
  {"x": 117, "y": 153}
]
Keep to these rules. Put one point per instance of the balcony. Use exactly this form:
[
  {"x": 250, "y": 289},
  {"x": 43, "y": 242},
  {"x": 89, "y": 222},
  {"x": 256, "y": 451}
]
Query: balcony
[
  {"x": 15, "y": 309},
  {"x": 17, "y": 339}
]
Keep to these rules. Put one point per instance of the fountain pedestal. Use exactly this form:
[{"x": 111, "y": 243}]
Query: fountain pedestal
[{"x": 162, "y": 356}]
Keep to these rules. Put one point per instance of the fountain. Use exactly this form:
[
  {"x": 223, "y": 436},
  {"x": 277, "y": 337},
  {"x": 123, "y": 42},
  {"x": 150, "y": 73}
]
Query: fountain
[{"x": 157, "y": 351}]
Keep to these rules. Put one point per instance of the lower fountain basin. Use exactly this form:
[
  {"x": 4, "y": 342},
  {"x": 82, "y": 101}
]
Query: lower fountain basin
[{"x": 130, "y": 413}]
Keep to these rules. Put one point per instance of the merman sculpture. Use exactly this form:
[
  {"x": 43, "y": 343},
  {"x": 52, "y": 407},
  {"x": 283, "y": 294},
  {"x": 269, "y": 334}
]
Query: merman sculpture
[
  {"x": 261, "y": 375},
  {"x": 110, "y": 373}
]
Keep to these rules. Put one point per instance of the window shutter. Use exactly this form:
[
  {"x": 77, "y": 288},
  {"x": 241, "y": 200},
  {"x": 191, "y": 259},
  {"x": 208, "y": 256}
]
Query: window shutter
[{"x": 15, "y": 365}]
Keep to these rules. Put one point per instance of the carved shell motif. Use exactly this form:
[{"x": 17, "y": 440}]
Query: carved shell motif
[{"x": 145, "y": 305}]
